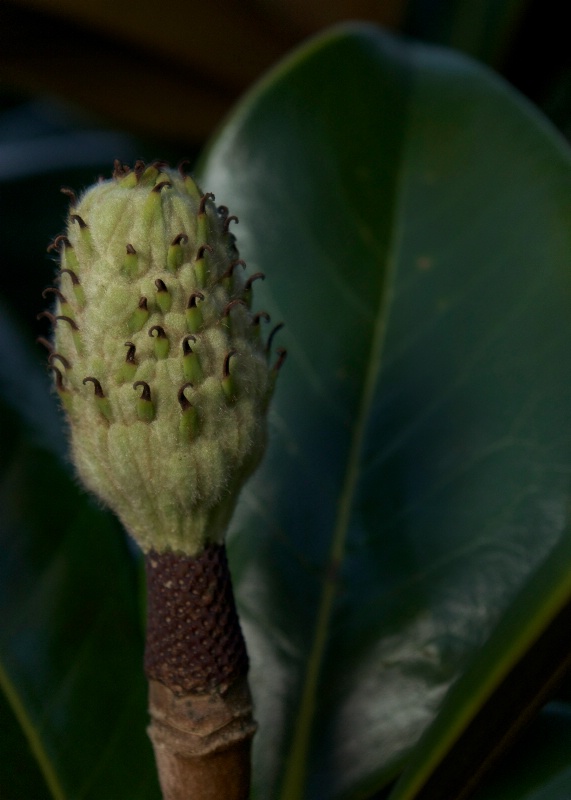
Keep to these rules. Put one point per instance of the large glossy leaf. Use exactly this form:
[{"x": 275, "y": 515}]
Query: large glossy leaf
[
  {"x": 411, "y": 214},
  {"x": 70, "y": 639}
]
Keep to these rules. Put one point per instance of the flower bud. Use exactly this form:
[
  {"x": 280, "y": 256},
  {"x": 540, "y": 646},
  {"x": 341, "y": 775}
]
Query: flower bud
[{"x": 163, "y": 377}]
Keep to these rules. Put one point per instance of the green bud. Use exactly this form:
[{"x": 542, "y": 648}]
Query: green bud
[
  {"x": 190, "y": 361},
  {"x": 164, "y": 300},
  {"x": 175, "y": 254},
  {"x": 84, "y": 234},
  {"x": 139, "y": 316},
  {"x": 67, "y": 254},
  {"x": 76, "y": 286},
  {"x": 201, "y": 265},
  {"x": 101, "y": 402},
  {"x": 189, "y": 424},
  {"x": 248, "y": 292},
  {"x": 161, "y": 344},
  {"x": 145, "y": 406},
  {"x": 203, "y": 232},
  {"x": 194, "y": 318},
  {"x": 167, "y": 431},
  {"x": 228, "y": 383},
  {"x": 130, "y": 262},
  {"x": 64, "y": 307},
  {"x": 129, "y": 367},
  {"x": 63, "y": 394}
]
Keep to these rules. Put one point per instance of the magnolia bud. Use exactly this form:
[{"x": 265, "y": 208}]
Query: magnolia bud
[{"x": 161, "y": 367}]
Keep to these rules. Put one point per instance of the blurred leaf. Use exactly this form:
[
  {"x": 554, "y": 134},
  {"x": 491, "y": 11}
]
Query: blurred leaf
[
  {"x": 38, "y": 136},
  {"x": 112, "y": 79},
  {"x": 42, "y": 148},
  {"x": 170, "y": 70},
  {"x": 484, "y": 30},
  {"x": 225, "y": 43},
  {"x": 70, "y": 640},
  {"x": 508, "y": 681},
  {"x": 557, "y": 101},
  {"x": 20, "y": 776},
  {"x": 411, "y": 213}
]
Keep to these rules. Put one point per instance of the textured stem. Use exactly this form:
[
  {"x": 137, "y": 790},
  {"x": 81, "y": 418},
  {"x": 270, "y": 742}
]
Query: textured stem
[{"x": 196, "y": 662}]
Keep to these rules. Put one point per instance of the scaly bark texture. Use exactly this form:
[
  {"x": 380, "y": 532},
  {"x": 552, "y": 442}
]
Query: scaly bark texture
[{"x": 196, "y": 663}]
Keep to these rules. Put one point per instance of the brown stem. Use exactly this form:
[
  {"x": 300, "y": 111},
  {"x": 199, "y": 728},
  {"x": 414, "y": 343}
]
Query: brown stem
[{"x": 196, "y": 662}]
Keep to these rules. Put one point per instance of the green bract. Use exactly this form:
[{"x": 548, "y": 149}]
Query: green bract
[{"x": 158, "y": 359}]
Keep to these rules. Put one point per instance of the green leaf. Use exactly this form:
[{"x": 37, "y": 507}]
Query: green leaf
[
  {"x": 70, "y": 639},
  {"x": 412, "y": 215},
  {"x": 508, "y": 681},
  {"x": 484, "y": 29},
  {"x": 20, "y": 776}
]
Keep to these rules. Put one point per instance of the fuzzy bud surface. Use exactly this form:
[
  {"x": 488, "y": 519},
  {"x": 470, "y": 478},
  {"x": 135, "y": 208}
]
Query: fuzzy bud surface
[{"x": 158, "y": 359}]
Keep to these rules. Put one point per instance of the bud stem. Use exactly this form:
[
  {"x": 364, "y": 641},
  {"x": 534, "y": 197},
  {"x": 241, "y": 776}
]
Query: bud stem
[{"x": 196, "y": 663}]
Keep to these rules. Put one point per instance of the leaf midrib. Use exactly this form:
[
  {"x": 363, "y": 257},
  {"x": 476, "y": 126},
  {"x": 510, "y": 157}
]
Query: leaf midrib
[
  {"x": 296, "y": 769},
  {"x": 30, "y": 732}
]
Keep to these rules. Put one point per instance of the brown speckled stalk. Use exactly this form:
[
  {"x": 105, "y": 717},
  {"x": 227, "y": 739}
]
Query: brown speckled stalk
[{"x": 196, "y": 663}]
